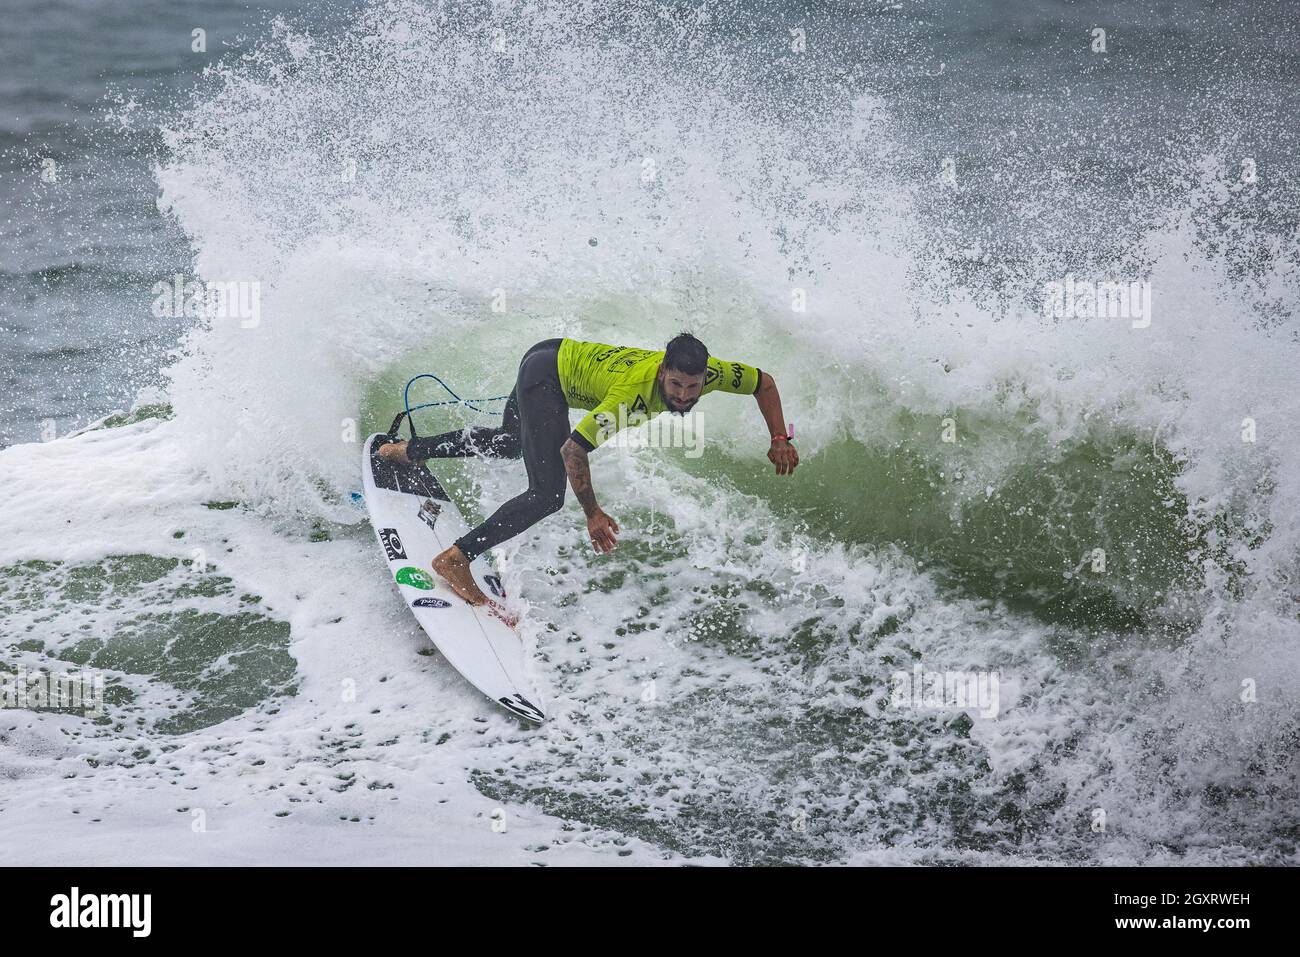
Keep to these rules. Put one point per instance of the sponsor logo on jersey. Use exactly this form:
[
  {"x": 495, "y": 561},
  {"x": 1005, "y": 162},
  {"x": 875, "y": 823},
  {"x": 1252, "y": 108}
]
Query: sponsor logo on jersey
[
  {"x": 711, "y": 375},
  {"x": 415, "y": 577},
  {"x": 639, "y": 407},
  {"x": 632, "y": 358},
  {"x": 392, "y": 544},
  {"x": 735, "y": 375},
  {"x": 429, "y": 513},
  {"x": 430, "y": 603}
]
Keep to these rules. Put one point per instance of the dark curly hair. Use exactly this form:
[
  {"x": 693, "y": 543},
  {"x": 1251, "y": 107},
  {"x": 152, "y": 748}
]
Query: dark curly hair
[{"x": 686, "y": 354}]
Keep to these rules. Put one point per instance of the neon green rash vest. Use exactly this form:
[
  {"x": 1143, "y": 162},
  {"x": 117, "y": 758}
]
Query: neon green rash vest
[{"x": 617, "y": 384}]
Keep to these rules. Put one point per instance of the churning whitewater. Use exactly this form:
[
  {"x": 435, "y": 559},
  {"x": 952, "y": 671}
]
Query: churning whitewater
[{"x": 1092, "y": 520}]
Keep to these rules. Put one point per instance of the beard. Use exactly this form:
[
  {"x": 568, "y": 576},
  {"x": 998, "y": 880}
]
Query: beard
[{"x": 674, "y": 407}]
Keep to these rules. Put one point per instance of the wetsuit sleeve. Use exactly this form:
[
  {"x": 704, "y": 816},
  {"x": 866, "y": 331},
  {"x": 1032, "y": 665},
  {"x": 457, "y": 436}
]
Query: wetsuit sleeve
[{"x": 731, "y": 377}]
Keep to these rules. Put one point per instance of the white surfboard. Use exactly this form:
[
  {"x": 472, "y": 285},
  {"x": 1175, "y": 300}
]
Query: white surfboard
[{"x": 414, "y": 520}]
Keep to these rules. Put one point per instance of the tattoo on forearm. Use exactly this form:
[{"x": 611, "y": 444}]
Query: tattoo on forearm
[{"x": 575, "y": 463}]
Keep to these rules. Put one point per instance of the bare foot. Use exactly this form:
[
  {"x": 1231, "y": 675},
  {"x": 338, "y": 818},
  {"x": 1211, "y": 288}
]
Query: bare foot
[
  {"x": 394, "y": 452},
  {"x": 454, "y": 569}
]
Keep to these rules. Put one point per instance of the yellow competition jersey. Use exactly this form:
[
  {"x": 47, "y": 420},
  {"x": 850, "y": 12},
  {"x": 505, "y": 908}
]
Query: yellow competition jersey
[{"x": 617, "y": 383}]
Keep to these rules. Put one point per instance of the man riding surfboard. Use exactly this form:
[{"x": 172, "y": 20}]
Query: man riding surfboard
[{"x": 619, "y": 385}]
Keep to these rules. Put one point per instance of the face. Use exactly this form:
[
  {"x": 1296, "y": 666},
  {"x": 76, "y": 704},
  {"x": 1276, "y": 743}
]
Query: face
[{"x": 680, "y": 391}]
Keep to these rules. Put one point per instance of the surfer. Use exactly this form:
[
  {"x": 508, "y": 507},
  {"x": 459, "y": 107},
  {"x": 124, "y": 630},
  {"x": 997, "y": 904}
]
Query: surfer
[{"x": 619, "y": 386}]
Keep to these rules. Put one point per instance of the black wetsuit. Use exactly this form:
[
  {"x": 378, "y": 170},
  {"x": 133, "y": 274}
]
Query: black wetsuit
[{"x": 533, "y": 428}]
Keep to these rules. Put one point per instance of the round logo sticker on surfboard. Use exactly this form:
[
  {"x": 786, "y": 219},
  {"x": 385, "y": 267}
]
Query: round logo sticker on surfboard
[{"x": 415, "y": 577}]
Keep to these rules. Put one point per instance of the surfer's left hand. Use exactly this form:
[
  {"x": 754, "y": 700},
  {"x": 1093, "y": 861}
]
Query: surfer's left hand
[
  {"x": 602, "y": 529},
  {"x": 394, "y": 452},
  {"x": 783, "y": 455}
]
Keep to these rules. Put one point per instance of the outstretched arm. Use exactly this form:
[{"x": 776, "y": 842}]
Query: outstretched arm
[
  {"x": 781, "y": 453},
  {"x": 578, "y": 469},
  {"x": 600, "y": 526}
]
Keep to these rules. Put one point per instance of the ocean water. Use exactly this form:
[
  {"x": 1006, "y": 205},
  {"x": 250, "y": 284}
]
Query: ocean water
[{"x": 867, "y": 200}]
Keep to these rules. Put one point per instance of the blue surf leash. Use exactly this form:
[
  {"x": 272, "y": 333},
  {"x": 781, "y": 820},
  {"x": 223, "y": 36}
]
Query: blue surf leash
[{"x": 454, "y": 400}]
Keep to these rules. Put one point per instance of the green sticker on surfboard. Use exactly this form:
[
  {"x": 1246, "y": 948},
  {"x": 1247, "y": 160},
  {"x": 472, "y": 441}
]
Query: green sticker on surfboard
[{"x": 415, "y": 577}]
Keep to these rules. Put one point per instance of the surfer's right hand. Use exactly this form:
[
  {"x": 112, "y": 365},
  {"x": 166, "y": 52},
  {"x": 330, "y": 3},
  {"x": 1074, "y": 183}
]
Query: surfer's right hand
[
  {"x": 601, "y": 529},
  {"x": 394, "y": 452}
]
